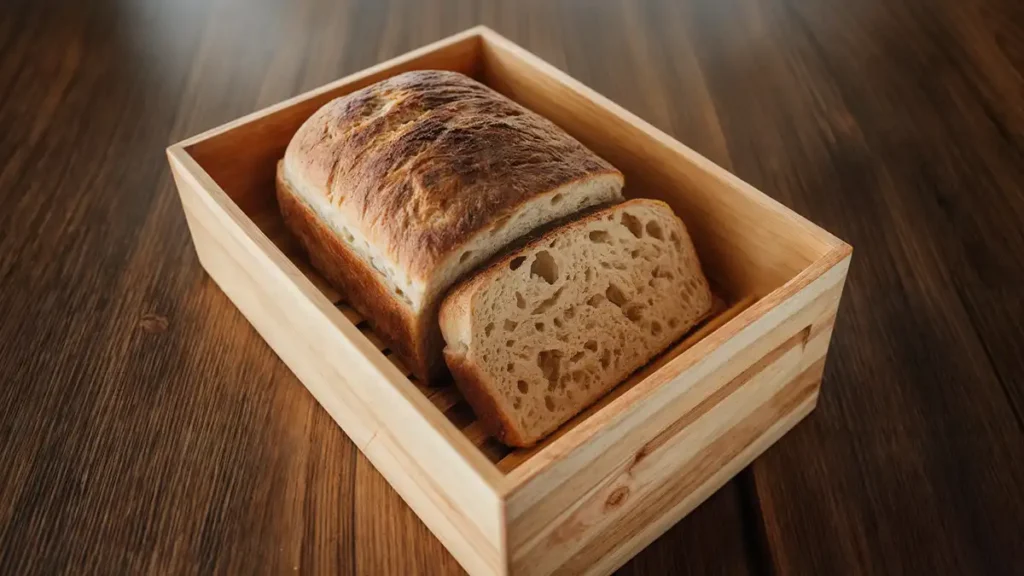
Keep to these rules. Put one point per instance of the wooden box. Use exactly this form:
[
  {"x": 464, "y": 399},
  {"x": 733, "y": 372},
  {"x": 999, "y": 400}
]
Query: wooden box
[{"x": 616, "y": 477}]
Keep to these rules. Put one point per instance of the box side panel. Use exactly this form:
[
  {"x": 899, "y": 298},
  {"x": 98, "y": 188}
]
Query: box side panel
[
  {"x": 680, "y": 459},
  {"x": 746, "y": 240},
  {"x": 416, "y": 455},
  {"x": 537, "y": 504},
  {"x": 689, "y": 486}
]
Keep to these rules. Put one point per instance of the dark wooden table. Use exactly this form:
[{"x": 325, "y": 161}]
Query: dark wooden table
[{"x": 145, "y": 427}]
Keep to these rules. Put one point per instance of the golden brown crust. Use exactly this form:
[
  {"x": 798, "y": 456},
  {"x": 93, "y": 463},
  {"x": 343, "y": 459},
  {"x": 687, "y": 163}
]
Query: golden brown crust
[
  {"x": 397, "y": 324},
  {"x": 425, "y": 160},
  {"x": 491, "y": 417}
]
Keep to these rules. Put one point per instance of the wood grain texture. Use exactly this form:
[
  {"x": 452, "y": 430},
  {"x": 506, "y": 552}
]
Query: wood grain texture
[{"x": 146, "y": 427}]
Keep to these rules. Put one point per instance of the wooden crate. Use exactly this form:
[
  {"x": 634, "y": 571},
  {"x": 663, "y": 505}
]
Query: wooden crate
[{"x": 613, "y": 479}]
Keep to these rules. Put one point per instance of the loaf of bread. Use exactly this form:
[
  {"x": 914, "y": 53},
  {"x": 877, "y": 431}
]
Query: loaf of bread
[
  {"x": 548, "y": 329},
  {"x": 399, "y": 189}
]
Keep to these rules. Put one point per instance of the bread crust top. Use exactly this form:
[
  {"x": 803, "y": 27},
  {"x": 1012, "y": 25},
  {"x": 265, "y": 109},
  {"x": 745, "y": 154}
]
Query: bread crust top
[{"x": 423, "y": 161}]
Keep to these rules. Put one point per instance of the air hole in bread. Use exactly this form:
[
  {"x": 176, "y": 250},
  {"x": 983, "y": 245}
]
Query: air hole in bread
[
  {"x": 591, "y": 345},
  {"x": 511, "y": 366},
  {"x": 657, "y": 272},
  {"x": 577, "y": 357},
  {"x": 520, "y": 301},
  {"x": 544, "y": 266},
  {"x": 516, "y": 262},
  {"x": 675, "y": 239},
  {"x": 633, "y": 254},
  {"x": 509, "y": 325},
  {"x": 570, "y": 312},
  {"x": 615, "y": 295},
  {"x": 595, "y": 300},
  {"x": 548, "y": 303},
  {"x": 588, "y": 275},
  {"x": 632, "y": 223},
  {"x": 634, "y": 312},
  {"x": 578, "y": 376},
  {"x": 488, "y": 329},
  {"x": 654, "y": 230},
  {"x": 510, "y": 343},
  {"x": 606, "y": 358},
  {"x": 600, "y": 237},
  {"x": 465, "y": 256},
  {"x": 523, "y": 386},
  {"x": 558, "y": 322},
  {"x": 655, "y": 328},
  {"x": 517, "y": 402},
  {"x": 539, "y": 326},
  {"x": 673, "y": 322},
  {"x": 549, "y": 403},
  {"x": 605, "y": 265},
  {"x": 550, "y": 364},
  {"x": 556, "y": 199},
  {"x": 619, "y": 265}
]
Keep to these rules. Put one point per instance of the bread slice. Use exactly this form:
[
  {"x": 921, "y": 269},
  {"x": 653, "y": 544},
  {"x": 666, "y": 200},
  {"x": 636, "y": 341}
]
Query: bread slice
[
  {"x": 550, "y": 328},
  {"x": 399, "y": 189}
]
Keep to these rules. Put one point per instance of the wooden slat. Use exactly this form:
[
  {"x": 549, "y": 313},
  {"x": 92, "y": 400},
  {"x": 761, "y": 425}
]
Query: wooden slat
[
  {"x": 377, "y": 342},
  {"x": 444, "y": 397},
  {"x": 476, "y": 433},
  {"x": 321, "y": 284}
]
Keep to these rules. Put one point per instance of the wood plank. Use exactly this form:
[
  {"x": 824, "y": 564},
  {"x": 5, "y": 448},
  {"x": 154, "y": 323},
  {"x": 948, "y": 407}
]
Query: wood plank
[{"x": 916, "y": 163}]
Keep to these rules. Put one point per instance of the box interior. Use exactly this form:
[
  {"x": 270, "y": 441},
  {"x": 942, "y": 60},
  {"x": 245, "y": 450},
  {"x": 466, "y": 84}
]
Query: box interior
[{"x": 747, "y": 245}]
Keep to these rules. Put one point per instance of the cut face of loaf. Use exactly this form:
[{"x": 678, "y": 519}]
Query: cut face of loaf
[
  {"x": 547, "y": 330},
  {"x": 399, "y": 189}
]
